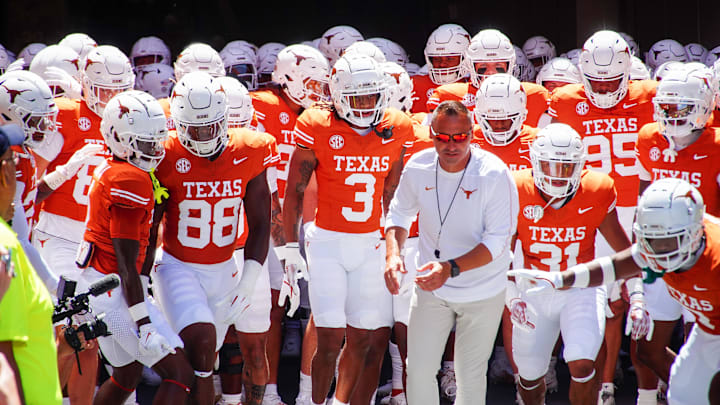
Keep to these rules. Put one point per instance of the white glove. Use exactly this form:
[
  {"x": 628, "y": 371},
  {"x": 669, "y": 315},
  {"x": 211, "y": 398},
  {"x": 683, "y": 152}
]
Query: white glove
[
  {"x": 78, "y": 160},
  {"x": 294, "y": 261},
  {"x": 291, "y": 291},
  {"x": 55, "y": 76},
  {"x": 16, "y": 65},
  {"x": 153, "y": 343},
  {"x": 543, "y": 281},
  {"x": 519, "y": 314},
  {"x": 234, "y": 305},
  {"x": 639, "y": 321}
]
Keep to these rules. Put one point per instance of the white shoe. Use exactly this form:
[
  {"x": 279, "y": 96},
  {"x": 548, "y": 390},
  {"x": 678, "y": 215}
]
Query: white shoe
[
  {"x": 272, "y": 399},
  {"x": 551, "y": 381},
  {"x": 304, "y": 399},
  {"x": 500, "y": 370},
  {"x": 448, "y": 387}
]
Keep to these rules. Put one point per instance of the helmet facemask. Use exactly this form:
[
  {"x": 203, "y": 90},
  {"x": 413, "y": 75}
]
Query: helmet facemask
[
  {"x": 668, "y": 251},
  {"x": 204, "y": 139}
]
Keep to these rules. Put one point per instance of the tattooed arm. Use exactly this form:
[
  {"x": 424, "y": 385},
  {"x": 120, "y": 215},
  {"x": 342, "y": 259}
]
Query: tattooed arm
[
  {"x": 391, "y": 181},
  {"x": 276, "y": 221},
  {"x": 302, "y": 165}
]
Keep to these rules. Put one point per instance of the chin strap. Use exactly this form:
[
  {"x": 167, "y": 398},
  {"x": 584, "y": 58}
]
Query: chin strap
[{"x": 159, "y": 192}]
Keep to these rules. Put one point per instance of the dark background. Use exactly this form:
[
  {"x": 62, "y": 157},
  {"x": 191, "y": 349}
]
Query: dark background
[{"x": 566, "y": 23}]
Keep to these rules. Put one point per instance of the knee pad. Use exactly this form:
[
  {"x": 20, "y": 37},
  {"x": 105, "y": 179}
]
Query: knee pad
[{"x": 227, "y": 355}]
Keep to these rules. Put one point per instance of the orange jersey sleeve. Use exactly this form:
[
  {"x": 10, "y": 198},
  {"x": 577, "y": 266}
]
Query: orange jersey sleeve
[
  {"x": 696, "y": 164},
  {"x": 698, "y": 289},
  {"x": 609, "y": 134},
  {"x": 278, "y": 119},
  {"x": 537, "y": 102},
  {"x": 78, "y": 126},
  {"x": 26, "y": 176},
  {"x": 566, "y": 236},
  {"x": 351, "y": 168},
  {"x": 463, "y": 92},
  {"x": 423, "y": 88},
  {"x": 120, "y": 184},
  {"x": 165, "y": 104},
  {"x": 516, "y": 154},
  {"x": 202, "y": 216}
]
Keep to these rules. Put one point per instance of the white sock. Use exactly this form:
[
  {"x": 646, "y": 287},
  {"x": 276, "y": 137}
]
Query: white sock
[
  {"x": 271, "y": 389},
  {"x": 448, "y": 365},
  {"x": 305, "y": 383},
  {"x": 337, "y": 402},
  {"x": 131, "y": 399},
  {"x": 608, "y": 387},
  {"x": 647, "y": 397},
  {"x": 66, "y": 401},
  {"x": 231, "y": 398},
  {"x": 397, "y": 366}
]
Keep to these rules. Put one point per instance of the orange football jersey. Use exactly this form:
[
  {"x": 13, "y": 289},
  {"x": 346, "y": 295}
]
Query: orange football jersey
[
  {"x": 165, "y": 104},
  {"x": 566, "y": 236},
  {"x": 423, "y": 88},
  {"x": 351, "y": 168},
  {"x": 697, "y": 164},
  {"x": 609, "y": 134},
  {"x": 537, "y": 98},
  {"x": 516, "y": 154},
  {"x": 422, "y": 136},
  {"x": 698, "y": 289},
  {"x": 79, "y": 126},
  {"x": 278, "y": 120},
  {"x": 202, "y": 216},
  {"x": 26, "y": 175},
  {"x": 117, "y": 183}
]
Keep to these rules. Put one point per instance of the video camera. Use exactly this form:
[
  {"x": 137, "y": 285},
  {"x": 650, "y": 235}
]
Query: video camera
[{"x": 70, "y": 304}]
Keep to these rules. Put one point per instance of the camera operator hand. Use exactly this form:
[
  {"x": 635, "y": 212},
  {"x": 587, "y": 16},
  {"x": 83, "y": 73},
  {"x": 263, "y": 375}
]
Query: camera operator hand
[{"x": 63, "y": 346}]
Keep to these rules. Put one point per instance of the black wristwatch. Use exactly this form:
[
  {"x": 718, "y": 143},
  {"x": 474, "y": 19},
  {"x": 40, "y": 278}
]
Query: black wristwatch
[{"x": 454, "y": 268}]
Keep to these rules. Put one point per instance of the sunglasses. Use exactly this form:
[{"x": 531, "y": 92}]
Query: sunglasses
[{"x": 445, "y": 138}]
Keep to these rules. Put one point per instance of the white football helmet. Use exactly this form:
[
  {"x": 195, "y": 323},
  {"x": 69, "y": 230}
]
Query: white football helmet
[
  {"x": 392, "y": 50},
  {"x": 359, "y": 90},
  {"x": 695, "y": 52},
  {"x": 662, "y": 70},
  {"x": 488, "y": 47},
  {"x": 539, "y": 50},
  {"x": 716, "y": 82},
  {"x": 134, "y": 129},
  {"x": 335, "y": 40},
  {"x": 241, "y": 43},
  {"x": 683, "y": 102},
  {"x": 605, "y": 64},
  {"x": 266, "y": 57},
  {"x": 501, "y": 98},
  {"x": 241, "y": 63},
  {"x": 199, "y": 57},
  {"x": 59, "y": 56},
  {"x": 80, "y": 43},
  {"x": 5, "y": 59},
  {"x": 524, "y": 70},
  {"x": 446, "y": 48},
  {"x": 632, "y": 44},
  {"x": 239, "y": 102},
  {"x": 29, "y": 52},
  {"x": 157, "y": 79},
  {"x": 412, "y": 68},
  {"x": 712, "y": 56},
  {"x": 149, "y": 50},
  {"x": 107, "y": 71},
  {"x": 638, "y": 70},
  {"x": 557, "y": 155},
  {"x": 558, "y": 70},
  {"x": 198, "y": 105},
  {"x": 400, "y": 86},
  {"x": 663, "y": 51},
  {"x": 573, "y": 55},
  {"x": 669, "y": 224},
  {"x": 26, "y": 100},
  {"x": 366, "y": 48},
  {"x": 302, "y": 72}
]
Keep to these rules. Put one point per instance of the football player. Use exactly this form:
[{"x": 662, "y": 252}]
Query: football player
[
  {"x": 678, "y": 242},
  {"x": 335, "y": 40},
  {"x": 563, "y": 207},
  {"x": 557, "y": 72},
  {"x": 355, "y": 149},
  {"x": 211, "y": 173},
  {"x": 539, "y": 50}
]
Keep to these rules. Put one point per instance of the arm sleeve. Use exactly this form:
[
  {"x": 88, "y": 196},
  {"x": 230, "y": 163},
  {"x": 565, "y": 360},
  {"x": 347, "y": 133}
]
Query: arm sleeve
[
  {"x": 404, "y": 205},
  {"x": 501, "y": 212}
]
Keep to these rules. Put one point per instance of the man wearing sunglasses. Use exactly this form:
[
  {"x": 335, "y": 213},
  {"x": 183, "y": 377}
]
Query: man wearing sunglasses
[{"x": 467, "y": 205}]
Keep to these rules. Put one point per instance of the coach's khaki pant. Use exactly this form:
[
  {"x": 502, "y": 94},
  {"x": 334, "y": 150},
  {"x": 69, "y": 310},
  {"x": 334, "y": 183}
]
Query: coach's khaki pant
[{"x": 431, "y": 320}]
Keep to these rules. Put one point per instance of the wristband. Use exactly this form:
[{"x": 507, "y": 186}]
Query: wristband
[
  {"x": 280, "y": 252},
  {"x": 582, "y": 276},
  {"x": 138, "y": 311},
  {"x": 608, "y": 269},
  {"x": 292, "y": 245},
  {"x": 54, "y": 179}
]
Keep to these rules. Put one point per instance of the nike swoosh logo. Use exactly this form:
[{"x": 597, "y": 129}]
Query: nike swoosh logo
[
  {"x": 429, "y": 188},
  {"x": 235, "y": 274},
  {"x": 696, "y": 288},
  {"x": 698, "y": 157},
  {"x": 584, "y": 210},
  {"x": 386, "y": 141},
  {"x": 238, "y": 161},
  {"x": 626, "y": 106},
  {"x": 523, "y": 150}
]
